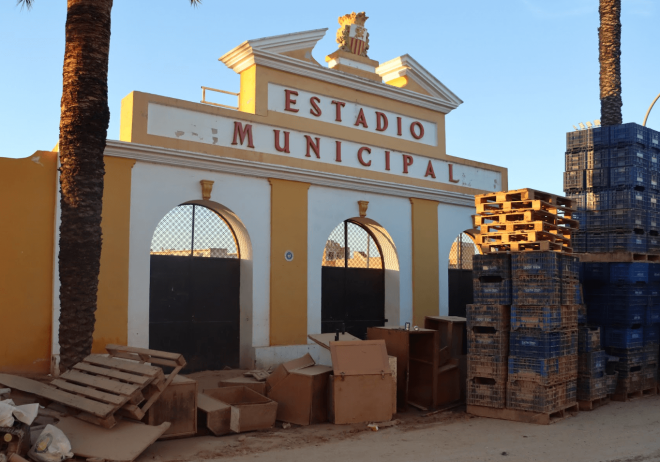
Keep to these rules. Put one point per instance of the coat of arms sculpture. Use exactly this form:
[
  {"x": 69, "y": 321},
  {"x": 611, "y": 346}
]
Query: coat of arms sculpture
[{"x": 352, "y": 36}]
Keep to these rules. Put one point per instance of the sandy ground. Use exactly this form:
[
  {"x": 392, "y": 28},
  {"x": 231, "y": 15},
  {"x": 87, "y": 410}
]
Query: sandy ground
[{"x": 615, "y": 432}]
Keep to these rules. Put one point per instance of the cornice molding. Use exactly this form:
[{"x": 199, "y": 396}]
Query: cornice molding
[
  {"x": 282, "y": 43},
  {"x": 200, "y": 161},
  {"x": 406, "y": 66}
]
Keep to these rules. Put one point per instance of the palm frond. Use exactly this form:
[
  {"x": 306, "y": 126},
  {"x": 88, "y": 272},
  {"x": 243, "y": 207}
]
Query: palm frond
[
  {"x": 26, "y": 3},
  {"x": 194, "y": 3}
]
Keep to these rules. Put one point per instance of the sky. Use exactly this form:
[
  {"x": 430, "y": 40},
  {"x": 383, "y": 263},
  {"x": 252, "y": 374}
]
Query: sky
[{"x": 527, "y": 70}]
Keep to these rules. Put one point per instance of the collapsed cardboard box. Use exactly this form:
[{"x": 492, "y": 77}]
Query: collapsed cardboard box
[
  {"x": 300, "y": 389},
  {"x": 360, "y": 389},
  {"x": 248, "y": 409},
  {"x": 178, "y": 406},
  {"x": 247, "y": 382}
]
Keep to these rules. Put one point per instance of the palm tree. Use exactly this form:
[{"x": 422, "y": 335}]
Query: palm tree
[
  {"x": 609, "y": 44},
  {"x": 84, "y": 122}
]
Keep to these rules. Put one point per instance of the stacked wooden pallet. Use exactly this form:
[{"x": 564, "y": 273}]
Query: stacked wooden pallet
[{"x": 524, "y": 219}]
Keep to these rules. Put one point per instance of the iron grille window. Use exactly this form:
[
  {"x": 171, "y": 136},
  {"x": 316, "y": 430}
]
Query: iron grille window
[
  {"x": 195, "y": 231},
  {"x": 462, "y": 251},
  {"x": 350, "y": 245}
]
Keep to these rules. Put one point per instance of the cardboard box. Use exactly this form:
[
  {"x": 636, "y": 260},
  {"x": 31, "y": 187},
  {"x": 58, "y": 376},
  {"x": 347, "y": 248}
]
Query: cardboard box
[
  {"x": 300, "y": 389},
  {"x": 360, "y": 388},
  {"x": 177, "y": 404},
  {"x": 248, "y": 382},
  {"x": 213, "y": 414},
  {"x": 249, "y": 410}
]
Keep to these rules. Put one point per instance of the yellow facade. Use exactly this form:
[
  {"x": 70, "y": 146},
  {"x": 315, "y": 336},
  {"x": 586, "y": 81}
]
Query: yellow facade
[{"x": 426, "y": 274}]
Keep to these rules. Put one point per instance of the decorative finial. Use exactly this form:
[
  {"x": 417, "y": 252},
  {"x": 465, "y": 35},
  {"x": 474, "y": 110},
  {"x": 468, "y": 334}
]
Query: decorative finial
[
  {"x": 352, "y": 36},
  {"x": 363, "y": 205},
  {"x": 207, "y": 187}
]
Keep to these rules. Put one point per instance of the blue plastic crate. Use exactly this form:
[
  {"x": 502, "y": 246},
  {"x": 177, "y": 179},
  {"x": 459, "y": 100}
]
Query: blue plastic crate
[
  {"x": 629, "y": 273},
  {"x": 596, "y": 272},
  {"x": 595, "y": 178},
  {"x": 653, "y": 201},
  {"x": 596, "y": 313},
  {"x": 631, "y": 176},
  {"x": 628, "y": 242},
  {"x": 543, "y": 264},
  {"x": 629, "y": 156},
  {"x": 579, "y": 139},
  {"x": 652, "y": 221},
  {"x": 592, "y": 363},
  {"x": 576, "y": 160},
  {"x": 653, "y": 180},
  {"x": 535, "y": 343},
  {"x": 574, "y": 180},
  {"x": 544, "y": 371},
  {"x": 598, "y": 242},
  {"x": 598, "y": 219},
  {"x": 628, "y": 219},
  {"x": 591, "y": 388},
  {"x": 582, "y": 314},
  {"x": 569, "y": 266},
  {"x": 628, "y": 360},
  {"x": 536, "y": 292},
  {"x": 651, "y": 353},
  {"x": 571, "y": 293},
  {"x": 652, "y": 314},
  {"x": 495, "y": 316},
  {"x": 627, "y": 295},
  {"x": 598, "y": 158},
  {"x": 654, "y": 273},
  {"x": 588, "y": 339},
  {"x": 627, "y": 134},
  {"x": 651, "y": 334},
  {"x": 491, "y": 293},
  {"x": 654, "y": 139},
  {"x": 627, "y": 199},
  {"x": 625, "y": 315},
  {"x": 622, "y": 337},
  {"x": 492, "y": 264},
  {"x": 579, "y": 200},
  {"x": 579, "y": 242},
  {"x": 544, "y": 318},
  {"x": 598, "y": 200},
  {"x": 653, "y": 244}
]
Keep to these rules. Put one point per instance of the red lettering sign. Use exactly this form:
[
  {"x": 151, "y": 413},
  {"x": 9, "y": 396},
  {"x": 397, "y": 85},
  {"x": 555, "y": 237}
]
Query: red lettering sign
[
  {"x": 240, "y": 132},
  {"x": 316, "y": 147},
  {"x": 286, "y": 142},
  {"x": 316, "y": 110},
  {"x": 361, "y": 119},
  {"x": 338, "y": 106},
  {"x": 360, "y": 159},
  {"x": 398, "y": 126},
  {"x": 387, "y": 160},
  {"x": 421, "y": 130},
  {"x": 407, "y": 162},
  {"x": 429, "y": 170},
  {"x": 338, "y": 151},
  {"x": 451, "y": 174},
  {"x": 381, "y": 122},
  {"x": 288, "y": 101}
]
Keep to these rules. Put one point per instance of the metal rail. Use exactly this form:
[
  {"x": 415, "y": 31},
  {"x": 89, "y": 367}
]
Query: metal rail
[
  {"x": 649, "y": 111},
  {"x": 219, "y": 91}
]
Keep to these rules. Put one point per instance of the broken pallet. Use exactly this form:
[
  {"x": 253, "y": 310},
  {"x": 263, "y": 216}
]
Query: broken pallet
[
  {"x": 524, "y": 194},
  {"x": 543, "y": 418}
]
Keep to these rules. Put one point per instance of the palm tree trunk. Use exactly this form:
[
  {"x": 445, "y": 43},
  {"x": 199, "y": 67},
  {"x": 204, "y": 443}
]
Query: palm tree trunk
[
  {"x": 83, "y": 129},
  {"x": 609, "y": 44}
]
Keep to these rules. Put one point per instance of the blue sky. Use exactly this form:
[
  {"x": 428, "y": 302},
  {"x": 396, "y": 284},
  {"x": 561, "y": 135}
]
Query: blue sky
[{"x": 527, "y": 70}]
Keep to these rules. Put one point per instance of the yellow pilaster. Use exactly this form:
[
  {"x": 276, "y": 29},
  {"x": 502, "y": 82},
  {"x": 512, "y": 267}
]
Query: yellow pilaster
[
  {"x": 426, "y": 273},
  {"x": 112, "y": 302},
  {"x": 288, "y": 279}
]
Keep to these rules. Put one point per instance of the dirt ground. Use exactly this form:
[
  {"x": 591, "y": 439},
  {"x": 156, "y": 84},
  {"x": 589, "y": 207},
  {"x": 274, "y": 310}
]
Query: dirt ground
[{"x": 615, "y": 432}]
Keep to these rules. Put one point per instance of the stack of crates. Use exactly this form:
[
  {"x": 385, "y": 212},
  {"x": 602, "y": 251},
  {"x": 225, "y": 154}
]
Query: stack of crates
[
  {"x": 543, "y": 346},
  {"x": 612, "y": 174},
  {"x": 592, "y": 382},
  {"x": 488, "y": 321},
  {"x": 624, "y": 300}
]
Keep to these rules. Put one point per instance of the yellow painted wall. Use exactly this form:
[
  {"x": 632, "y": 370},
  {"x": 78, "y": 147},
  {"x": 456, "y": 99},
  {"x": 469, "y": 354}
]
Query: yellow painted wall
[
  {"x": 112, "y": 302},
  {"x": 288, "y": 280},
  {"x": 426, "y": 273},
  {"x": 27, "y": 206}
]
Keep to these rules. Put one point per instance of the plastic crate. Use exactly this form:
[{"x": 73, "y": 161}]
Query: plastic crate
[
  {"x": 543, "y": 371},
  {"x": 536, "y": 292},
  {"x": 487, "y": 291},
  {"x": 650, "y": 377},
  {"x": 654, "y": 139},
  {"x": 591, "y": 388},
  {"x": 652, "y": 221},
  {"x": 579, "y": 139},
  {"x": 653, "y": 244},
  {"x": 628, "y": 295},
  {"x": 652, "y": 315},
  {"x": 582, "y": 314},
  {"x": 653, "y": 201},
  {"x": 588, "y": 339},
  {"x": 598, "y": 220},
  {"x": 571, "y": 293},
  {"x": 633, "y": 382},
  {"x": 596, "y": 272},
  {"x": 631, "y": 176},
  {"x": 597, "y": 178},
  {"x": 543, "y": 264},
  {"x": 596, "y": 314},
  {"x": 651, "y": 335},
  {"x": 489, "y": 392},
  {"x": 629, "y": 273},
  {"x": 598, "y": 158},
  {"x": 569, "y": 266},
  {"x": 654, "y": 273},
  {"x": 625, "y": 315},
  {"x": 533, "y": 397},
  {"x": 628, "y": 134},
  {"x": 598, "y": 242},
  {"x": 574, "y": 180},
  {"x": 592, "y": 364},
  {"x": 628, "y": 242},
  {"x": 598, "y": 200},
  {"x": 494, "y": 367},
  {"x": 576, "y": 160},
  {"x": 653, "y": 179},
  {"x": 627, "y": 199},
  {"x": 544, "y": 318},
  {"x": 629, "y": 360},
  {"x": 488, "y": 341},
  {"x": 495, "y": 316},
  {"x": 629, "y": 156},
  {"x": 579, "y": 242},
  {"x": 579, "y": 200},
  {"x": 622, "y": 337},
  {"x": 651, "y": 353},
  {"x": 534, "y": 343},
  {"x": 492, "y": 264},
  {"x": 654, "y": 159},
  {"x": 628, "y": 219}
]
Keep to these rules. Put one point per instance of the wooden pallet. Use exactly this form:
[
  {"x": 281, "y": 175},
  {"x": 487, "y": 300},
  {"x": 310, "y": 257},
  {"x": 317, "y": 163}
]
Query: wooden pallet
[
  {"x": 540, "y": 246},
  {"x": 617, "y": 257},
  {"x": 523, "y": 416},
  {"x": 593, "y": 404},
  {"x": 522, "y": 206},
  {"x": 517, "y": 226},
  {"x": 624, "y": 397},
  {"x": 523, "y": 195},
  {"x": 522, "y": 236},
  {"x": 526, "y": 217}
]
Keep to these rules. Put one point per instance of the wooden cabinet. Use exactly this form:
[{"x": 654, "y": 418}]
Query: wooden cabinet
[
  {"x": 417, "y": 363},
  {"x": 452, "y": 375}
]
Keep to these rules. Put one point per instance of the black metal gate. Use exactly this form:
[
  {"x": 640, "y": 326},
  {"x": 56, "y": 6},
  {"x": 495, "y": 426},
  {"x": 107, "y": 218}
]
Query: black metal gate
[
  {"x": 460, "y": 274},
  {"x": 194, "y": 288},
  {"x": 353, "y": 281}
]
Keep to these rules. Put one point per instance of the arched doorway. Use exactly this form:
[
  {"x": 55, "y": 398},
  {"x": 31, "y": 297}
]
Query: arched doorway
[
  {"x": 194, "y": 302},
  {"x": 353, "y": 281},
  {"x": 460, "y": 273}
]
